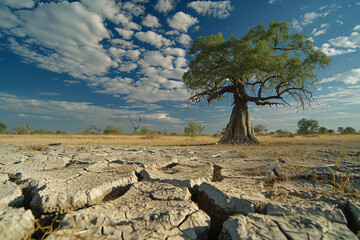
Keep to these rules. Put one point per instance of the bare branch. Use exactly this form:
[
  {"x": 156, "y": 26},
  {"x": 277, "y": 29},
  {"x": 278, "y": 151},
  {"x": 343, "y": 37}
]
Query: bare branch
[{"x": 135, "y": 127}]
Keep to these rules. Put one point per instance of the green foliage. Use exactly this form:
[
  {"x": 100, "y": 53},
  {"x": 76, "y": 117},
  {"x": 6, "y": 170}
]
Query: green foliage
[
  {"x": 308, "y": 126},
  {"x": 144, "y": 131},
  {"x": 330, "y": 131},
  {"x": 323, "y": 130},
  {"x": 21, "y": 130},
  {"x": 349, "y": 130},
  {"x": 112, "y": 130},
  {"x": 192, "y": 128},
  {"x": 260, "y": 129},
  {"x": 59, "y": 132},
  {"x": 2, "y": 127},
  {"x": 340, "y": 130},
  {"x": 266, "y": 66}
]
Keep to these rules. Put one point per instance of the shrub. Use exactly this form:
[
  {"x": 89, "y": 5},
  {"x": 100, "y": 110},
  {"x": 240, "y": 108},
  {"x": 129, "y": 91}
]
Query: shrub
[
  {"x": 193, "y": 128},
  {"x": 2, "y": 127},
  {"x": 22, "y": 130},
  {"x": 308, "y": 126},
  {"x": 42, "y": 131},
  {"x": 112, "y": 130}
]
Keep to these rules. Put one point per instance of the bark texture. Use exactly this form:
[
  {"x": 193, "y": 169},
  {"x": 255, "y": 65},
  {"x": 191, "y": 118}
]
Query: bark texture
[{"x": 240, "y": 128}]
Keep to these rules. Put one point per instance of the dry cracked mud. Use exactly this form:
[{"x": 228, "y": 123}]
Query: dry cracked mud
[{"x": 193, "y": 192}]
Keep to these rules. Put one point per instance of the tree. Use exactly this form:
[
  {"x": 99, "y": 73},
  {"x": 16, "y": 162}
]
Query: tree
[
  {"x": 349, "y": 130},
  {"x": 145, "y": 131},
  {"x": 340, "y": 130},
  {"x": 323, "y": 130},
  {"x": 134, "y": 126},
  {"x": 193, "y": 128},
  {"x": 259, "y": 129},
  {"x": 2, "y": 127},
  {"x": 112, "y": 130},
  {"x": 330, "y": 131},
  {"x": 266, "y": 67},
  {"x": 308, "y": 126}
]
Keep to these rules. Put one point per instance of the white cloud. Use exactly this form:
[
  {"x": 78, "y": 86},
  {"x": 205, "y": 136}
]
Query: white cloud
[
  {"x": 220, "y": 9},
  {"x": 323, "y": 27},
  {"x": 105, "y": 8},
  {"x": 165, "y": 6},
  {"x": 272, "y": 1},
  {"x": 350, "y": 77},
  {"x": 126, "y": 22},
  {"x": 339, "y": 22},
  {"x": 184, "y": 40},
  {"x": 153, "y": 38},
  {"x": 175, "y": 51},
  {"x": 333, "y": 52},
  {"x": 134, "y": 9},
  {"x": 123, "y": 43},
  {"x": 67, "y": 38},
  {"x": 151, "y": 21},
  {"x": 125, "y": 33},
  {"x": 352, "y": 41},
  {"x": 296, "y": 24},
  {"x": 182, "y": 21},
  {"x": 156, "y": 58},
  {"x": 133, "y": 54},
  {"x": 18, "y": 3},
  {"x": 8, "y": 19},
  {"x": 357, "y": 27}
]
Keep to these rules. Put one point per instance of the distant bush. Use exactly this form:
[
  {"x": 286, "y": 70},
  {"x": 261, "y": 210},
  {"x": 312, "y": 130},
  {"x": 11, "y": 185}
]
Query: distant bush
[
  {"x": 2, "y": 127},
  {"x": 59, "y": 132},
  {"x": 21, "y": 130},
  {"x": 112, "y": 130},
  {"x": 173, "y": 134},
  {"x": 323, "y": 130},
  {"x": 92, "y": 130}
]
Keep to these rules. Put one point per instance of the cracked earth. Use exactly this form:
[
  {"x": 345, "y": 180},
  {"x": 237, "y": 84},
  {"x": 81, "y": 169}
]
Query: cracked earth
[{"x": 194, "y": 192}]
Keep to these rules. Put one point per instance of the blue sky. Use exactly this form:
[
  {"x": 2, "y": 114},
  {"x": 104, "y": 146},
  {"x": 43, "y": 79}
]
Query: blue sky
[{"x": 70, "y": 64}]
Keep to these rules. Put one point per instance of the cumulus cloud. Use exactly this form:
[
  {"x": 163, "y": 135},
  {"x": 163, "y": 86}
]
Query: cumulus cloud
[
  {"x": 357, "y": 27},
  {"x": 17, "y": 3},
  {"x": 8, "y": 19},
  {"x": 174, "y": 51},
  {"x": 151, "y": 21},
  {"x": 220, "y": 9},
  {"x": 134, "y": 9},
  {"x": 105, "y": 8},
  {"x": 165, "y": 6},
  {"x": 156, "y": 58},
  {"x": 184, "y": 40},
  {"x": 328, "y": 50},
  {"x": 67, "y": 37},
  {"x": 153, "y": 38},
  {"x": 125, "y": 33},
  {"x": 352, "y": 41},
  {"x": 182, "y": 21},
  {"x": 350, "y": 77}
]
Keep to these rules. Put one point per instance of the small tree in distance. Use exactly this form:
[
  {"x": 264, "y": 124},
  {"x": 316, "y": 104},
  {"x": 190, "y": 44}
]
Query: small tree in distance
[
  {"x": 21, "y": 130},
  {"x": 323, "y": 130},
  {"x": 112, "y": 130},
  {"x": 193, "y": 128},
  {"x": 2, "y": 127},
  {"x": 266, "y": 67},
  {"x": 349, "y": 130},
  {"x": 260, "y": 129},
  {"x": 308, "y": 126}
]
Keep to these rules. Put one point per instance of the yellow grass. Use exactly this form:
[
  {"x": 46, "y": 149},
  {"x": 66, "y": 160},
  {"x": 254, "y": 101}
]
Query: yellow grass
[{"x": 164, "y": 140}]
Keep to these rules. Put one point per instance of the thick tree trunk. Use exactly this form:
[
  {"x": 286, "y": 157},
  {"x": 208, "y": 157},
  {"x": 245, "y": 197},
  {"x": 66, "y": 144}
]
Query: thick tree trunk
[{"x": 240, "y": 128}]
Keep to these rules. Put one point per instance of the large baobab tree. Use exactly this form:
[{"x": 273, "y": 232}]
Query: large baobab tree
[{"x": 266, "y": 67}]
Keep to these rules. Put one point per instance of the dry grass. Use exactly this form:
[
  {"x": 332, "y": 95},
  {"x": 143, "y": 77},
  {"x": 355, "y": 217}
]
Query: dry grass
[
  {"x": 165, "y": 140},
  {"x": 107, "y": 140}
]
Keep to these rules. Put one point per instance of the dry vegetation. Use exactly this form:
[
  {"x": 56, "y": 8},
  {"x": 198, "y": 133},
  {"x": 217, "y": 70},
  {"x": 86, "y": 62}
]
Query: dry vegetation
[{"x": 162, "y": 140}]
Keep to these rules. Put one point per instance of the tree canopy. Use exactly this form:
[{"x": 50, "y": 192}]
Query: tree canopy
[
  {"x": 192, "y": 128},
  {"x": 266, "y": 66},
  {"x": 308, "y": 126}
]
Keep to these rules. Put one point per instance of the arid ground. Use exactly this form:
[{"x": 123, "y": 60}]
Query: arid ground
[{"x": 179, "y": 187}]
